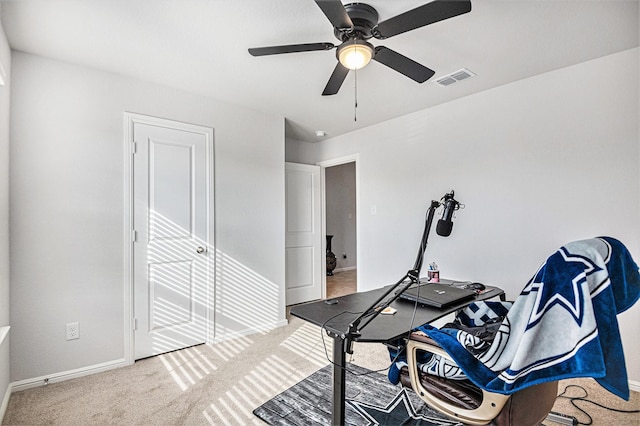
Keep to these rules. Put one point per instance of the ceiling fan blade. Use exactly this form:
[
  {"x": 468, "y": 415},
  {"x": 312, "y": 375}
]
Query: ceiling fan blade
[
  {"x": 289, "y": 48},
  {"x": 437, "y": 10},
  {"x": 402, "y": 64},
  {"x": 335, "y": 81},
  {"x": 335, "y": 11}
]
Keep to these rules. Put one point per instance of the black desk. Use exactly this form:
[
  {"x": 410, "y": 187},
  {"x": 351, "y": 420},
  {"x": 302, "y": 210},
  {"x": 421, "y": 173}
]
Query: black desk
[{"x": 383, "y": 329}]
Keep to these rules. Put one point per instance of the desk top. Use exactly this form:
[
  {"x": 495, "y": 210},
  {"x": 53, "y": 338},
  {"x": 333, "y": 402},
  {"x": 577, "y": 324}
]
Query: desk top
[{"x": 384, "y": 328}]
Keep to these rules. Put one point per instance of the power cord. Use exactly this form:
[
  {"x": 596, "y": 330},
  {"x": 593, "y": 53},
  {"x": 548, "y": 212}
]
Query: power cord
[
  {"x": 583, "y": 398},
  {"x": 323, "y": 330}
]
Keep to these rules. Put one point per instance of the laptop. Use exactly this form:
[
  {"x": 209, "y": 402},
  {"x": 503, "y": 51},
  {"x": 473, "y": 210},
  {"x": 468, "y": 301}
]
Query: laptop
[{"x": 437, "y": 295}]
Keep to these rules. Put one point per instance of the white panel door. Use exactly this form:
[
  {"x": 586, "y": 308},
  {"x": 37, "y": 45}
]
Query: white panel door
[
  {"x": 171, "y": 248},
  {"x": 304, "y": 258}
]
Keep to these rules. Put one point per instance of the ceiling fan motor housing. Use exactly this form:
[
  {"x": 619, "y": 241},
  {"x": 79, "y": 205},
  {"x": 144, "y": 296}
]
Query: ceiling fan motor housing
[{"x": 364, "y": 18}]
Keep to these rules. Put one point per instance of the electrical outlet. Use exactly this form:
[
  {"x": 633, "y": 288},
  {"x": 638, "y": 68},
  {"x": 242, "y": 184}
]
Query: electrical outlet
[{"x": 73, "y": 331}]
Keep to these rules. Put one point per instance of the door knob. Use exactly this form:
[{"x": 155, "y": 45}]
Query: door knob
[{"x": 200, "y": 250}]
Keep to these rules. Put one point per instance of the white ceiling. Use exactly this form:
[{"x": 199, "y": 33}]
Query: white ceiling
[{"x": 201, "y": 46}]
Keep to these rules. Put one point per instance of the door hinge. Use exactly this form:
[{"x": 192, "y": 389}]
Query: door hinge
[
  {"x": 135, "y": 324},
  {"x": 134, "y": 236},
  {"x": 134, "y": 147}
]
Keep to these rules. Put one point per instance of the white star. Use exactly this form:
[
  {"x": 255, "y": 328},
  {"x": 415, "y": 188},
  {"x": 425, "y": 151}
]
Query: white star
[{"x": 374, "y": 415}]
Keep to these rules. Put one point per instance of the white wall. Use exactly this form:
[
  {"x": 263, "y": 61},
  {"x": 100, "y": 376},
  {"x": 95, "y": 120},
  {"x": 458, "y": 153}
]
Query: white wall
[
  {"x": 300, "y": 151},
  {"x": 5, "y": 60},
  {"x": 340, "y": 206},
  {"x": 538, "y": 163},
  {"x": 67, "y": 211}
]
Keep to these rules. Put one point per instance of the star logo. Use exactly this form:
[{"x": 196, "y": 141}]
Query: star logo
[
  {"x": 559, "y": 267},
  {"x": 399, "y": 411}
]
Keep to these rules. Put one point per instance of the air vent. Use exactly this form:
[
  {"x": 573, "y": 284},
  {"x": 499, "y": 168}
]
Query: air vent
[{"x": 455, "y": 77}]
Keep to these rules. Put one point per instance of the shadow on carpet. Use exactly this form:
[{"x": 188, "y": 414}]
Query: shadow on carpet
[{"x": 370, "y": 400}]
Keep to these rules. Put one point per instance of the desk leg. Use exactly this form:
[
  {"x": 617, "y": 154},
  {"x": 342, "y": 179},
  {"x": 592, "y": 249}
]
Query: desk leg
[{"x": 339, "y": 364}]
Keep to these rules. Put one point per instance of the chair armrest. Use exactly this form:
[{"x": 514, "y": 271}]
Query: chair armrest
[{"x": 492, "y": 403}]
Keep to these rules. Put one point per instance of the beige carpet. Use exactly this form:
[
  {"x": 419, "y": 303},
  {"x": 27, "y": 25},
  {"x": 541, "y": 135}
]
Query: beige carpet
[
  {"x": 601, "y": 416},
  {"x": 220, "y": 384}
]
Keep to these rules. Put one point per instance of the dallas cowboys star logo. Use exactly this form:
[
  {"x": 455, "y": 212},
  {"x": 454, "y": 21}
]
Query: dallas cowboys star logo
[
  {"x": 399, "y": 411},
  {"x": 571, "y": 297}
]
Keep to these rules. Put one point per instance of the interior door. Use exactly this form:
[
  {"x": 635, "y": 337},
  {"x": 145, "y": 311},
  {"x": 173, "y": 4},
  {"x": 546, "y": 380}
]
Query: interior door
[
  {"x": 171, "y": 228},
  {"x": 304, "y": 258}
]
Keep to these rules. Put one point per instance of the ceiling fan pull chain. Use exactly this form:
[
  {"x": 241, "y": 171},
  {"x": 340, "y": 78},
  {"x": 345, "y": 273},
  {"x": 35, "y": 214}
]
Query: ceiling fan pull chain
[{"x": 355, "y": 96}]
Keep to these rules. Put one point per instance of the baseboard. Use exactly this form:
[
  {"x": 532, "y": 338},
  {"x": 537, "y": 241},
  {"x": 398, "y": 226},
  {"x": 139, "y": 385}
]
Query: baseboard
[
  {"x": 66, "y": 375},
  {"x": 634, "y": 386},
  {"x": 5, "y": 402},
  {"x": 250, "y": 331},
  {"x": 346, "y": 268},
  {"x": 4, "y": 332}
]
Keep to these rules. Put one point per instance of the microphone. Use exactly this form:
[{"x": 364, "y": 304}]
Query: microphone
[{"x": 445, "y": 225}]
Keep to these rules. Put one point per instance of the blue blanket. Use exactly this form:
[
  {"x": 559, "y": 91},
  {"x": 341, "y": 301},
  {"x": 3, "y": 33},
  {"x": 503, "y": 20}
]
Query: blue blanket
[{"x": 563, "y": 325}]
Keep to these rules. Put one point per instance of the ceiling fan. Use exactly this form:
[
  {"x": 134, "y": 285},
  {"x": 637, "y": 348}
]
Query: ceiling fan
[{"x": 355, "y": 23}]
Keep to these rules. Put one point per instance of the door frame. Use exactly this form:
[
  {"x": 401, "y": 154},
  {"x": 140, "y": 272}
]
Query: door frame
[
  {"x": 130, "y": 119},
  {"x": 353, "y": 158}
]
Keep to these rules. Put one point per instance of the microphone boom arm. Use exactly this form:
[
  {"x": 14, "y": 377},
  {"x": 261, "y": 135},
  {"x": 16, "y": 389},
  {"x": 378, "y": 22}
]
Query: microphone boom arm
[
  {"x": 413, "y": 276},
  {"x": 425, "y": 236}
]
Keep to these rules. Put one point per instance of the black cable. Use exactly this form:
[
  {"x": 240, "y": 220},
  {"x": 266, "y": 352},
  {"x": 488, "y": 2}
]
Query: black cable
[
  {"x": 413, "y": 275},
  {"x": 413, "y": 318},
  {"x": 573, "y": 400},
  {"x": 324, "y": 330}
]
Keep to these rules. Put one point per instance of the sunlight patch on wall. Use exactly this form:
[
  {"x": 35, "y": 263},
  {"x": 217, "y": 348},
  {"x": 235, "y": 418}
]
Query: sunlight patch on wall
[
  {"x": 182, "y": 292},
  {"x": 245, "y": 300}
]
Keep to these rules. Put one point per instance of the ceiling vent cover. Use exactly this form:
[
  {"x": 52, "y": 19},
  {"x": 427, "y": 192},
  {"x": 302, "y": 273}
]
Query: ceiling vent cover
[{"x": 455, "y": 77}]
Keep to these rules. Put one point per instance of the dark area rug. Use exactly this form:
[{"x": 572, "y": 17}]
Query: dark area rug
[{"x": 370, "y": 400}]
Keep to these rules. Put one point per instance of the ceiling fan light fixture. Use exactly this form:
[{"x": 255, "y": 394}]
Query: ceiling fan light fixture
[{"x": 355, "y": 54}]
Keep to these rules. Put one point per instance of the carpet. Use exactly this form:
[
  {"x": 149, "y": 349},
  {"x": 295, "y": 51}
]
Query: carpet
[{"x": 370, "y": 400}]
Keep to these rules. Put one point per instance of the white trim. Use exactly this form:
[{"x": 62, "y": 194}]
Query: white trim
[
  {"x": 128, "y": 237},
  {"x": 353, "y": 158},
  {"x": 634, "y": 385},
  {"x": 4, "y": 331},
  {"x": 340, "y": 160},
  {"x": 3, "y": 81},
  {"x": 130, "y": 119},
  {"x": 5, "y": 402},
  {"x": 67, "y": 375},
  {"x": 211, "y": 228},
  {"x": 323, "y": 229}
]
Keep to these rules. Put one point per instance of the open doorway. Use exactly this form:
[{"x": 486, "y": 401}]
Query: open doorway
[{"x": 341, "y": 228}]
